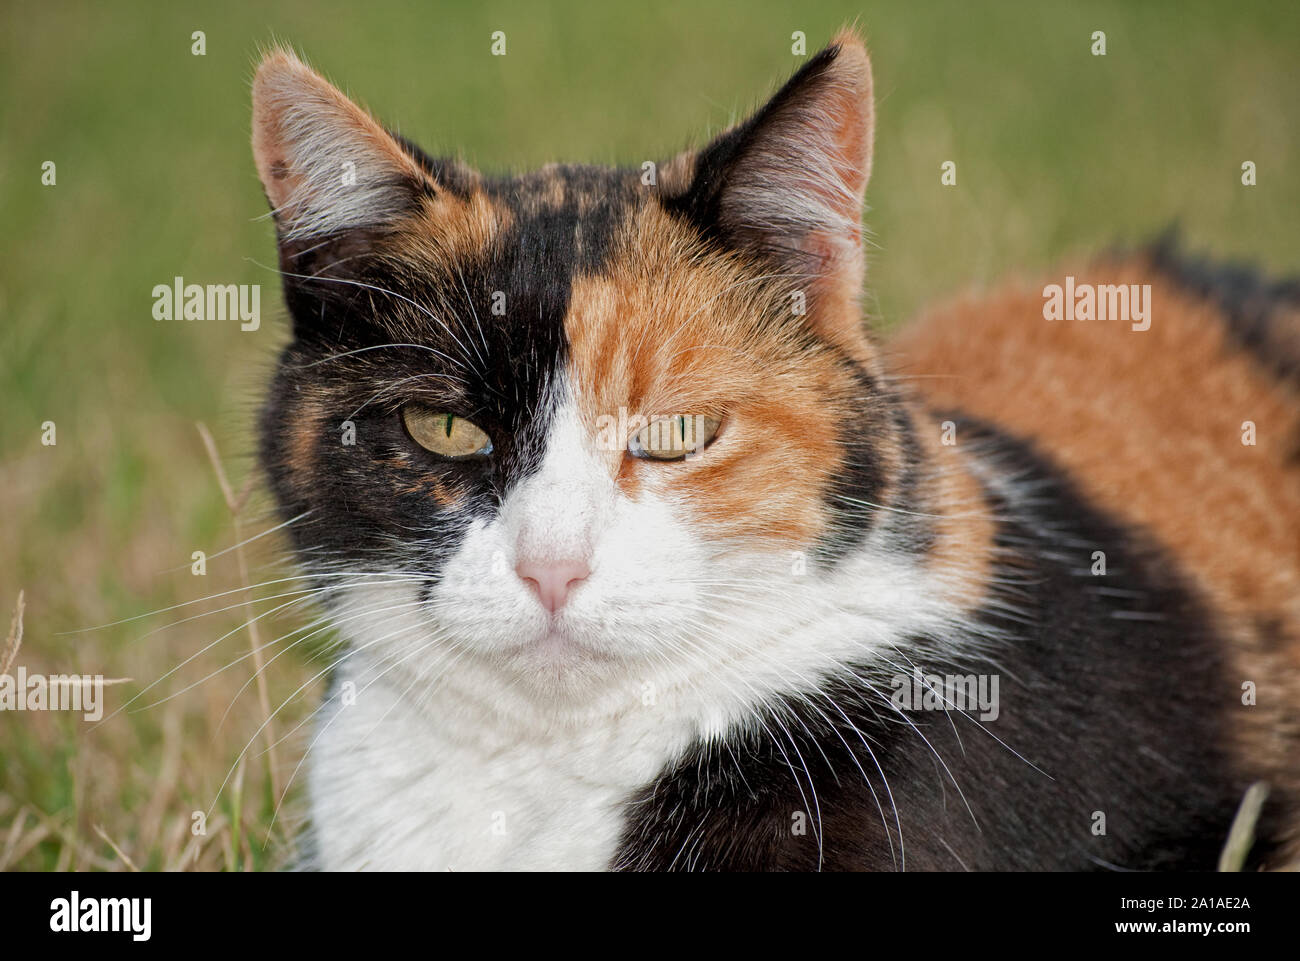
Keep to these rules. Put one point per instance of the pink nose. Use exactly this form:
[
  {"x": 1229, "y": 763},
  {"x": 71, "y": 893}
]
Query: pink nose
[{"x": 552, "y": 580}]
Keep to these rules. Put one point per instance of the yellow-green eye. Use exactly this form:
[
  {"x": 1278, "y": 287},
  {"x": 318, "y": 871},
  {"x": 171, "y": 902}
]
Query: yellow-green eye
[
  {"x": 445, "y": 434},
  {"x": 672, "y": 438}
]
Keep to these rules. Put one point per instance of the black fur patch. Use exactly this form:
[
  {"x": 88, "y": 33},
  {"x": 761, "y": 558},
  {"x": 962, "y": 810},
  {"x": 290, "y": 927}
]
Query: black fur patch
[
  {"x": 865, "y": 494},
  {"x": 1253, "y": 304},
  {"x": 566, "y": 216},
  {"x": 372, "y": 334},
  {"x": 1113, "y": 699}
]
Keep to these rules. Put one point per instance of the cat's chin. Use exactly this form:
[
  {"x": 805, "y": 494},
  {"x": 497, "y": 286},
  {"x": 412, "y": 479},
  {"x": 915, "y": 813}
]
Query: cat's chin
[
  {"x": 560, "y": 662},
  {"x": 559, "y": 645}
]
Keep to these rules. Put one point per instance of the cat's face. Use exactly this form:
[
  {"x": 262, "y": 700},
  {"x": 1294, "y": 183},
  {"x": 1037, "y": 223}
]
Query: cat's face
[{"x": 581, "y": 419}]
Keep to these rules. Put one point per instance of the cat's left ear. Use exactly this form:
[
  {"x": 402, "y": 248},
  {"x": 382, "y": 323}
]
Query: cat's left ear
[{"x": 788, "y": 183}]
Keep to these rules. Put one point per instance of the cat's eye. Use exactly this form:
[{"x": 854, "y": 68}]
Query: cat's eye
[
  {"x": 445, "y": 434},
  {"x": 673, "y": 438}
]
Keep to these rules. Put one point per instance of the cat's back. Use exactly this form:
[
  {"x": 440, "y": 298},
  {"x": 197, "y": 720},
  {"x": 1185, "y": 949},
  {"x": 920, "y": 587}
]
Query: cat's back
[{"x": 1184, "y": 423}]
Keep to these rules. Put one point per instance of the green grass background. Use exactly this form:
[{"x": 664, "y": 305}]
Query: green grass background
[{"x": 1057, "y": 152}]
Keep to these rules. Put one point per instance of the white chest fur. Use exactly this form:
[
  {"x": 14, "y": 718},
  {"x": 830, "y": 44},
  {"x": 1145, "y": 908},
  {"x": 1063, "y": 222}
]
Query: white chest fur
[{"x": 395, "y": 787}]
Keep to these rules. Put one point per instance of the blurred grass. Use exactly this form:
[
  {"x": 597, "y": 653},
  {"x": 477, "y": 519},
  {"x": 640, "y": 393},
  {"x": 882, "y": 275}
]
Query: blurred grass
[{"x": 1056, "y": 151}]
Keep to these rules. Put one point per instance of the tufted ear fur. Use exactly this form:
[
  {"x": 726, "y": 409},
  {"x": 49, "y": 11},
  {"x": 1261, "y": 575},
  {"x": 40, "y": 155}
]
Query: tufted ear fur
[
  {"x": 787, "y": 184},
  {"x": 327, "y": 166}
]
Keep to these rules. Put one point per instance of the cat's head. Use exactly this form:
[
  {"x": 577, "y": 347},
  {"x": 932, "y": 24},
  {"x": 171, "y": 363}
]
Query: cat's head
[{"x": 581, "y": 419}]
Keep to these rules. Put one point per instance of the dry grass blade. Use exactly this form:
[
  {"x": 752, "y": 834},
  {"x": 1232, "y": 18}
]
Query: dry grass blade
[
  {"x": 15, "y": 832},
  {"x": 236, "y": 503},
  {"x": 1241, "y": 836},
  {"x": 15, "y": 638},
  {"x": 116, "y": 850},
  {"x": 86, "y": 681}
]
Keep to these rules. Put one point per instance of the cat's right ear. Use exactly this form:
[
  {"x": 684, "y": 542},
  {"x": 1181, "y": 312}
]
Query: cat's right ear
[{"x": 327, "y": 166}]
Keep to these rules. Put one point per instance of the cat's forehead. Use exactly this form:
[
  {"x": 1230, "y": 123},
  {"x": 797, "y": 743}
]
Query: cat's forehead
[
  {"x": 594, "y": 258},
  {"x": 572, "y": 191},
  {"x": 565, "y": 216},
  {"x": 595, "y": 275},
  {"x": 558, "y": 220}
]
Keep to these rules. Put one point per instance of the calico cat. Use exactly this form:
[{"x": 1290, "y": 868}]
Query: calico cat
[{"x": 645, "y": 554}]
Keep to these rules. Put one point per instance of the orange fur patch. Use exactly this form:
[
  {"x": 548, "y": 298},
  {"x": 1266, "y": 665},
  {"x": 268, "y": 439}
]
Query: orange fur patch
[
  {"x": 674, "y": 330},
  {"x": 447, "y": 231},
  {"x": 305, "y": 423},
  {"x": 964, "y": 528},
  {"x": 1149, "y": 425}
]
